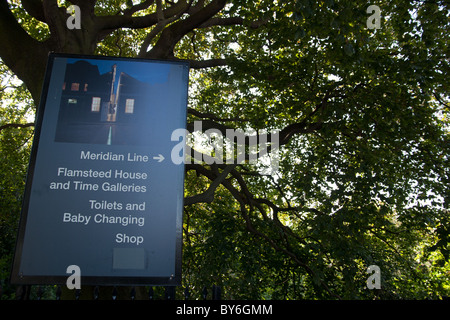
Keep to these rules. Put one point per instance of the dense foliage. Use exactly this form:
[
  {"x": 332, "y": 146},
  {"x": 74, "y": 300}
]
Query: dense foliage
[{"x": 363, "y": 114}]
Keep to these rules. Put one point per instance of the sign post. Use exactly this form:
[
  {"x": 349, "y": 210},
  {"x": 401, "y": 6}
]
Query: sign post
[{"x": 102, "y": 193}]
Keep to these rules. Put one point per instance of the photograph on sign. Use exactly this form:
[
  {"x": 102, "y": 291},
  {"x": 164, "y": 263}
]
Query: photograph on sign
[
  {"x": 99, "y": 194},
  {"x": 109, "y": 102}
]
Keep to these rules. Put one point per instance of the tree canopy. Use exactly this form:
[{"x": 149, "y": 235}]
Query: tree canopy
[{"x": 363, "y": 167}]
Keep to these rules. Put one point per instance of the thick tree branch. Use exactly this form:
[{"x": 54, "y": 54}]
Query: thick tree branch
[
  {"x": 212, "y": 116},
  {"x": 24, "y": 55},
  {"x": 201, "y": 64},
  {"x": 111, "y": 23},
  {"x": 298, "y": 128},
  {"x": 16, "y": 125},
  {"x": 152, "y": 34},
  {"x": 161, "y": 24},
  {"x": 64, "y": 39},
  {"x": 208, "y": 195},
  {"x": 159, "y": 10},
  {"x": 230, "y": 21},
  {"x": 56, "y": 21},
  {"x": 141, "y": 6},
  {"x": 34, "y": 9},
  {"x": 284, "y": 135},
  {"x": 172, "y": 34}
]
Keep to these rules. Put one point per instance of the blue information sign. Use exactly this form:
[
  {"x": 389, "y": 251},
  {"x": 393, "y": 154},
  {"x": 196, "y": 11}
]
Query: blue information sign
[{"x": 102, "y": 192}]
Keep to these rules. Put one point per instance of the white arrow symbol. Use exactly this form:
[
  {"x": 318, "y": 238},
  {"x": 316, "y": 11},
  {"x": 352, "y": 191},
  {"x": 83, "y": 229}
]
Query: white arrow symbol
[{"x": 159, "y": 157}]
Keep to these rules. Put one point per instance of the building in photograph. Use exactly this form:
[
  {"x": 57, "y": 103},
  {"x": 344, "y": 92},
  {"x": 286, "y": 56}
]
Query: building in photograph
[{"x": 108, "y": 108}]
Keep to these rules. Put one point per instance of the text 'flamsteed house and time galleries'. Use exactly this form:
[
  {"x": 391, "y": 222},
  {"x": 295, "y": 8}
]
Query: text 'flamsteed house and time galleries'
[{"x": 112, "y": 181}]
